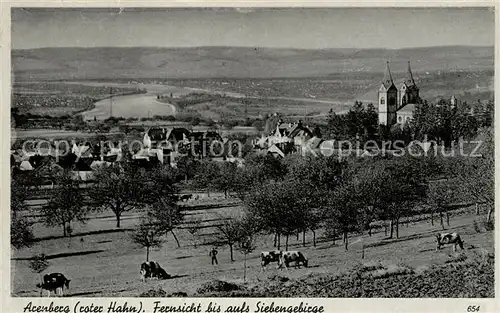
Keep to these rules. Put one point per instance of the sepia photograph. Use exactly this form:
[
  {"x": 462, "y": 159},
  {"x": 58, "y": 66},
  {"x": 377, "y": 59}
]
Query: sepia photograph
[{"x": 253, "y": 152}]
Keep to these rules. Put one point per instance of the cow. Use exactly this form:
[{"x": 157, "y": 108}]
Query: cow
[
  {"x": 270, "y": 256},
  {"x": 449, "y": 238},
  {"x": 186, "y": 197},
  {"x": 152, "y": 270},
  {"x": 288, "y": 257},
  {"x": 54, "y": 282}
]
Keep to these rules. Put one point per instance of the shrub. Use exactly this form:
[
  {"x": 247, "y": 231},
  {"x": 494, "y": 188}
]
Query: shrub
[
  {"x": 218, "y": 286},
  {"x": 391, "y": 270},
  {"x": 457, "y": 257},
  {"x": 369, "y": 267},
  {"x": 152, "y": 293},
  {"x": 178, "y": 294}
]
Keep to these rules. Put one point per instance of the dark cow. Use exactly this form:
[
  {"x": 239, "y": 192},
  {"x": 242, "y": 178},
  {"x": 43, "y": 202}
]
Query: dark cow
[
  {"x": 152, "y": 270},
  {"x": 54, "y": 282},
  {"x": 449, "y": 239},
  {"x": 186, "y": 197},
  {"x": 269, "y": 256},
  {"x": 288, "y": 257}
]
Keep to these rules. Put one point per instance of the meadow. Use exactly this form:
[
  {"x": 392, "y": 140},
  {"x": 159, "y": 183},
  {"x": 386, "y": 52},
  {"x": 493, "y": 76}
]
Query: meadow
[{"x": 102, "y": 261}]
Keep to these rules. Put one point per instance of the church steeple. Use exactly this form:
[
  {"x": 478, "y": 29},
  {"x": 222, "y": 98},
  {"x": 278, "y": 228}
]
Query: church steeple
[
  {"x": 409, "y": 81},
  {"x": 387, "y": 82}
]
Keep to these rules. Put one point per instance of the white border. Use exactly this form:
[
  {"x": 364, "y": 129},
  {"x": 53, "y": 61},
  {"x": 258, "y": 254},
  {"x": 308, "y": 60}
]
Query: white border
[{"x": 9, "y": 304}]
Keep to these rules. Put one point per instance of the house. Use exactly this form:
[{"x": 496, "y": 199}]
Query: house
[
  {"x": 82, "y": 151},
  {"x": 163, "y": 143},
  {"x": 286, "y": 138},
  {"x": 201, "y": 143}
]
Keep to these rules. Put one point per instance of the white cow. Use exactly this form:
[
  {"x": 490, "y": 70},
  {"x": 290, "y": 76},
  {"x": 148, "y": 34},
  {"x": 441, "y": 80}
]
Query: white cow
[{"x": 451, "y": 239}]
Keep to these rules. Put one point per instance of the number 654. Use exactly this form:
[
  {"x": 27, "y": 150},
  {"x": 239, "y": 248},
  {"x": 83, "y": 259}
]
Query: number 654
[{"x": 473, "y": 308}]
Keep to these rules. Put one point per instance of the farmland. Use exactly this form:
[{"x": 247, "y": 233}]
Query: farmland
[
  {"x": 102, "y": 261},
  {"x": 292, "y": 81}
]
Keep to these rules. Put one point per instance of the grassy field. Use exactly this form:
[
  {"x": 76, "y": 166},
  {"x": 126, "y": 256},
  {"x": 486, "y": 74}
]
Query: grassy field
[{"x": 102, "y": 261}]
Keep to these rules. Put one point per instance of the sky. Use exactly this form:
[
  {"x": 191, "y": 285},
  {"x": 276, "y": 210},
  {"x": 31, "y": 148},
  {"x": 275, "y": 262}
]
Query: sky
[{"x": 391, "y": 28}]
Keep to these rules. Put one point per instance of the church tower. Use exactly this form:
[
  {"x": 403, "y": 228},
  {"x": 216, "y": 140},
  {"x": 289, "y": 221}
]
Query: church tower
[
  {"x": 387, "y": 99},
  {"x": 408, "y": 92}
]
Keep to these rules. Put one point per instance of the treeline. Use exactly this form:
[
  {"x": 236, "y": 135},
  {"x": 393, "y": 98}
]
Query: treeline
[{"x": 432, "y": 121}]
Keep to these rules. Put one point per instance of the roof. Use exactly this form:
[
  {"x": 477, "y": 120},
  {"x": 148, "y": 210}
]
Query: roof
[
  {"x": 25, "y": 166},
  {"x": 16, "y": 157},
  {"x": 82, "y": 175},
  {"x": 409, "y": 81},
  {"x": 81, "y": 151},
  {"x": 314, "y": 142},
  {"x": 409, "y": 108},
  {"x": 292, "y": 129},
  {"x": 275, "y": 149},
  {"x": 261, "y": 142},
  {"x": 387, "y": 82},
  {"x": 99, "y": 164}
]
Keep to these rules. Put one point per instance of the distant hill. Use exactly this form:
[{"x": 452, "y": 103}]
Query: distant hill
[{"x": 237, "y": 62}]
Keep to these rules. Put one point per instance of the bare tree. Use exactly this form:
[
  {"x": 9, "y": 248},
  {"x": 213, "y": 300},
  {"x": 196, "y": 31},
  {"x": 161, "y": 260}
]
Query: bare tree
[
  {"x": 66, "y": 203},
  {"x": 229, "y": 232},
  {"x": 247, "y": 241},
  {"x": 194, "y": 231},
  {"x": 148, "y": 234}
]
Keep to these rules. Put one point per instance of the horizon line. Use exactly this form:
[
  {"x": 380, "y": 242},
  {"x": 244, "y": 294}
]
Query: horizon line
[{"x": 253, "y": 47}]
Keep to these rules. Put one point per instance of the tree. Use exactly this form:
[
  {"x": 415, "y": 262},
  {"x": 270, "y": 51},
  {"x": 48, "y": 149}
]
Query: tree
[
  {"x": 440, "y": 195},
  {"x": 38, "y": 264},
  {"x": 194, "y": 231},
  {"x": 226, "y": 179},
  {"x": 229, "y": 232},
  {"x": 66, "y": 203},
  {"x": 335, "y": 128},
  {"x": 343, "y": 210},
  {"x": 21, "y": 233},
  {"x": 402, "y": 185},
  {"x": 148, "y": 234},
  {"x": 314, "y": 177},
  {"x": 187, "y": 167},
  {"x": 166, "y": 215},
  {"x": 475, "y": 173},
  {"x": 206, "y": 176},
  {"x": 20, "y": 191},
  {"x": 279, "y": 208},
  {"x": 122, "y": 188},
  {"x": 261, "y": 168},
  {"x": 247, "y": 240}
]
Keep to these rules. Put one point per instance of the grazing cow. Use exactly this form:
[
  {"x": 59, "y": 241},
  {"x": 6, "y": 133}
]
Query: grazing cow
[
  {"x": 54, "y": 282},
  {"x": 288, "y": 257},
  {"x": 160, "y": 272},
  {"x": 269, "y": 256},
  {"x": 186, "y": 197},
  {"x": 152, "y": 270},
  {"x": 449, "y": 238}
]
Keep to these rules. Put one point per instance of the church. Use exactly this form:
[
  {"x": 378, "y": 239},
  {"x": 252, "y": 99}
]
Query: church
[{"x": 397, "y": 106}]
